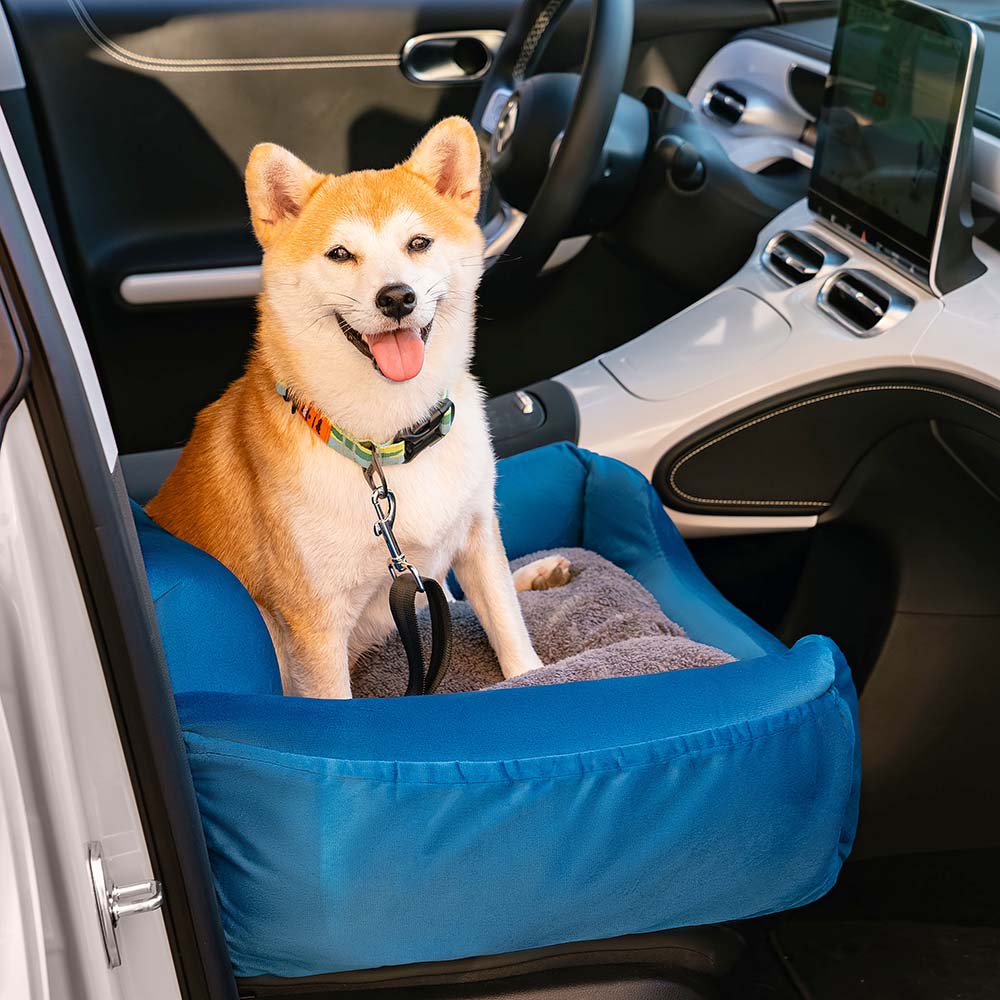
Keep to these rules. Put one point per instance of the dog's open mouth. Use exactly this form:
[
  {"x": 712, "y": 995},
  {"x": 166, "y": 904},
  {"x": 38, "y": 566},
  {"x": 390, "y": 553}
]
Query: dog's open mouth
[{"x": 397, "y": 354}]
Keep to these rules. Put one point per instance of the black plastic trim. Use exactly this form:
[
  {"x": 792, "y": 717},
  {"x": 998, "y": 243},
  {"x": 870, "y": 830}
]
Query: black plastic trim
[
  {"x": 790, "y": 453},
  {"x": 790, "y": 11},
  {"x": 14, "y": 368},
  {"x": 16, "y": 110},
  {"x": 94, "y": 510},
  {"x": 806, "y": 87},
  {"x": 795, "y": 41},
  {"x": 561, "y": 420},
  {"x": 709, "y": 951}
]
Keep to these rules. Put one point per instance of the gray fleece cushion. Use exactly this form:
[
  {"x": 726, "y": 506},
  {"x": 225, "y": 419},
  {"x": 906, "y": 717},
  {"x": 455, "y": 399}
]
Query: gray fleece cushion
[{"x": 603, "y": 623}]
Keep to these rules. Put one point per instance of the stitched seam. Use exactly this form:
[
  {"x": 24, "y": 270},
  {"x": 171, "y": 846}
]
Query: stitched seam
[
  {"x": 807, "y": 712},
  {"x": 851, "y": 729},
  {"x": 788, "y": 409},
  {"x": 242, "y": 64},
  {"x": 168, "y": 591}
]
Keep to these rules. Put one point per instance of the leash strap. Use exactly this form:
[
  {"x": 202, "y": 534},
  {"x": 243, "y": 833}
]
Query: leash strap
[
  {"x": 406, "y": 584},
  {"x": 402, "y": 604}
]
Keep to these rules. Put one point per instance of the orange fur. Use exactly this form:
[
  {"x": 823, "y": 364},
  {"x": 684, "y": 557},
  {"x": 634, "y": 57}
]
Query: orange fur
[{"x": 222, "y": 493}]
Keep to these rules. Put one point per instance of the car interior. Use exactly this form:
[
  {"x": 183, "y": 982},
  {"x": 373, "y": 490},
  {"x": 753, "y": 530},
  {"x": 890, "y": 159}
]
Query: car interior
[{"x": 675, "y": 279}]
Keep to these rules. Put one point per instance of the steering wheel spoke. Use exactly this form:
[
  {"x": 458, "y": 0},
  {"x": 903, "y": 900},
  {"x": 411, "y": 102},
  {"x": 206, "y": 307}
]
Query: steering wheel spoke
[
  {"x": 493, "y": 110},
  {"x": 500, "y": 233}
]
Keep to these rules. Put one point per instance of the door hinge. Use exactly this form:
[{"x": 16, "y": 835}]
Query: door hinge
[{"x": 115, "y": 902}]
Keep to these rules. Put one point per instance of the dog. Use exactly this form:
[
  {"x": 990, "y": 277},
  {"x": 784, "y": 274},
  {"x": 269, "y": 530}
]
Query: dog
[{"x": 365, "y": 324}]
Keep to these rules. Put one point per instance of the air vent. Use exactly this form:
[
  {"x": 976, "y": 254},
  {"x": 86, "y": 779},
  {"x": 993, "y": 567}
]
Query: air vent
[
  {"x": 724, "y": 103},
  {"x": 866, "y": 305},
  {"x": 858, "y": 301},
  {"x": 796, "y": 257}
]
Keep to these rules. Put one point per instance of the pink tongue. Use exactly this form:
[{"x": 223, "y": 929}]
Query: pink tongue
[{"x": 400, "y": 354}]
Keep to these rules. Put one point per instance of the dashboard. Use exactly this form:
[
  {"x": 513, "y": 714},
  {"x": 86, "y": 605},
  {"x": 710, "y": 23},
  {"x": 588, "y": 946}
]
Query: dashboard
[{"x": 811, "y": 319}]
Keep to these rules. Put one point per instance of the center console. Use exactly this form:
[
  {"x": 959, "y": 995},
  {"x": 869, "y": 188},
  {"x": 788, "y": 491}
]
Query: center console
[{"x": 867, "y": 301}]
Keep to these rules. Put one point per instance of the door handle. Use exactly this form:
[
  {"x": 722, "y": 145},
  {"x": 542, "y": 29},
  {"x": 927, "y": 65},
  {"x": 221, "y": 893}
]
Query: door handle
[{"x": 450, "y": 56}]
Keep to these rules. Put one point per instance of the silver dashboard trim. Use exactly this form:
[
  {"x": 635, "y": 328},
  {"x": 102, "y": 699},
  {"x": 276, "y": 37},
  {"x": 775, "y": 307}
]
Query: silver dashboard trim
[
  {"x": 713, "y": 91},
  {"x": 203, "y": 285},
  {"x": 762, "y": 111},
  {"x": 494, "y": 109},
  {"x": 489, "y": 38}
]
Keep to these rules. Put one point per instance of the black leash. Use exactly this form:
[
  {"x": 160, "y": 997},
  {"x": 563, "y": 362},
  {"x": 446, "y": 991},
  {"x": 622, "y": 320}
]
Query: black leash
[{"x": 406, "y": 584}]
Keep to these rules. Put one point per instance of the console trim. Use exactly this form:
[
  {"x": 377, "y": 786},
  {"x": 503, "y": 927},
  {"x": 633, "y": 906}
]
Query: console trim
[{"x": 667, "y": 469}]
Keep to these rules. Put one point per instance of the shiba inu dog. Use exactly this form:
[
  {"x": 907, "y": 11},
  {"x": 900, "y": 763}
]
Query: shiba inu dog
[{"x": 366, "y": 323}]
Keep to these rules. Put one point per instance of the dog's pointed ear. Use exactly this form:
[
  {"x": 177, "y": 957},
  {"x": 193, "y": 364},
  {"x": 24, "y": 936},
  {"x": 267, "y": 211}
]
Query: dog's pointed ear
[
  {"x": 278, "y": 186},
  {"x": 448, "y": 159}
]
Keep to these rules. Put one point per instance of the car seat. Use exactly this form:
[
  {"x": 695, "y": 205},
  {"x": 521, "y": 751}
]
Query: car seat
[{"x": 350, "y": 835}]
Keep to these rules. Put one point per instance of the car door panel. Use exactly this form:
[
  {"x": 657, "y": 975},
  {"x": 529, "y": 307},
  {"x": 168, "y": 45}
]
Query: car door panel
[{"x": 146, "y": 112}]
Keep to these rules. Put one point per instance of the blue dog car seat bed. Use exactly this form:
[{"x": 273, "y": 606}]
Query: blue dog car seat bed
[{"x": 355, "y": 834}]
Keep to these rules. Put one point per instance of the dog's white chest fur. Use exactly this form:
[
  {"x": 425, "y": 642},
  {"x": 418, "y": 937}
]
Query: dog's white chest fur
[{"x": 439, "y": 495}]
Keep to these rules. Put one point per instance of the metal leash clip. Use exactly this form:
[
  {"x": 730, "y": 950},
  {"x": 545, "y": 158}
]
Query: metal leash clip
[
  {"x": 403, "y": 594},
  {"x": 384, "y": 519}
]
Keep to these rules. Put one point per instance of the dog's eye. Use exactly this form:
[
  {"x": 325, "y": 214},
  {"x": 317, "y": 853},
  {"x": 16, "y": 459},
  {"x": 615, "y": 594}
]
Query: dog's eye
[
  {"x": 340, "y": 254},
  {"x": 419, "y": 244}
]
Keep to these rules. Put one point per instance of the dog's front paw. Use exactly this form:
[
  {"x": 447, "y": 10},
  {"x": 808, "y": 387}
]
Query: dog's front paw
[
  {"x": 521, "y": 666},
  {"x": 543, "y": 574}
]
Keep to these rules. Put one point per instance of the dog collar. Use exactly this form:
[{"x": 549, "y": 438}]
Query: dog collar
[{"x": 403, "y": 448}]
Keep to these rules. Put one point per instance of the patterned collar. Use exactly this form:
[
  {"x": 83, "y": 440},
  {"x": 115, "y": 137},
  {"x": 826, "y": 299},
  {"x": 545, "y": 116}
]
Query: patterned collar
[{"x": 403, "y": 448}]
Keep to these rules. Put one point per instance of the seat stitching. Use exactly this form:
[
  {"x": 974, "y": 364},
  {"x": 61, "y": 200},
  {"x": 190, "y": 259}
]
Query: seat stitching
[
  {"x": 236, "y": 64},
  {"x": 787, "y": 409}
]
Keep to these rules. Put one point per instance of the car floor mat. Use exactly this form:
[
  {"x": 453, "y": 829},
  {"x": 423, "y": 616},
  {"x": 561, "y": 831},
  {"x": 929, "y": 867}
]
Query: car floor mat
[{"x": 873, "y": 960}]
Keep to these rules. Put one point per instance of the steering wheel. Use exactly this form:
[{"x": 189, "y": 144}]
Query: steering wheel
[{"x": 519, "y": 115}]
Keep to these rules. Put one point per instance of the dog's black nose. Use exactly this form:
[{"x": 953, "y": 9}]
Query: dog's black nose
[{"x": 396, "y": 301}]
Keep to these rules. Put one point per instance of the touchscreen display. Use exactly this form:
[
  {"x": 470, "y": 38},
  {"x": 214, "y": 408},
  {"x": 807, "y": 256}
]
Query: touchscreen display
[{"x": 889, "y": 121}]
